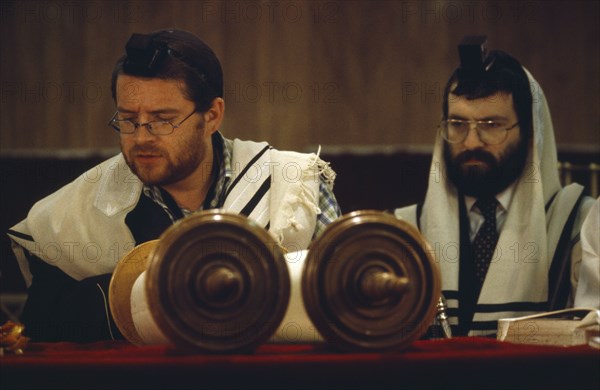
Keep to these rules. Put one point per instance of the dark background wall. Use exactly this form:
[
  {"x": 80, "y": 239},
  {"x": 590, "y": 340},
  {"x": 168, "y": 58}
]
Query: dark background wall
[{"x": 297, "y": 73}]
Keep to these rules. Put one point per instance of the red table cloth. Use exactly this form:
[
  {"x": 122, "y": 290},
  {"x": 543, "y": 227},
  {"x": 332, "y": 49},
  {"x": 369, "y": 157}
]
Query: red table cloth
[{"x": 456, "y": 363}]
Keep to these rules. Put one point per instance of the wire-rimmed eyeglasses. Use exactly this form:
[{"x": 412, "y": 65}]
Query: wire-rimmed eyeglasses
[
  {"x": 125, "y": 126},
  {"x": 489, "y": 132}
]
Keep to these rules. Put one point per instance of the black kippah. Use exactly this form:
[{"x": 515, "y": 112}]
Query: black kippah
[
  {"x": 144, "y": 55},
  {"x": 474, "y": 59}
]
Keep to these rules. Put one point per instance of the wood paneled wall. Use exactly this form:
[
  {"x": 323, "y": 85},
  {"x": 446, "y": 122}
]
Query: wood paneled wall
[{"x": 297, "y": 73}]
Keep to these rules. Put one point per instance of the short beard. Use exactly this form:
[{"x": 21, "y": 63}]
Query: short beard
[
  {"x": 174, "y": 171},
  {"x": 179, "y": 164},
  {"x": 484, "y": 182}
]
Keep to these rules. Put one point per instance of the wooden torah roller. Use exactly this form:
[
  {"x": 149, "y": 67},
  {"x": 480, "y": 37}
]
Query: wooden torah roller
[
  {"x": 370, "y": 283},
  {"x": 213, "y": 282}
]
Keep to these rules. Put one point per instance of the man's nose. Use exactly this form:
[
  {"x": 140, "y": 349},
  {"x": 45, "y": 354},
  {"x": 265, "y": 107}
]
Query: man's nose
[
  {"x": 473, "y": 141},
  {"x": 142, "y": 134}
]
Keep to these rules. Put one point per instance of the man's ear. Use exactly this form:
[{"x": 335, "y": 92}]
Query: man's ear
[{"x": 214, "y": 115}]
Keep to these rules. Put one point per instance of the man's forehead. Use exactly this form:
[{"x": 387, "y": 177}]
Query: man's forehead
[
  {"x": 125, "y": 81},
  {"x": 133, "y": 89},
  {"x": 497, "y": 103}
]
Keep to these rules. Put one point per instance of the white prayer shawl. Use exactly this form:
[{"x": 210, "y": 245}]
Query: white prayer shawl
[
  {"x": 588, "y": 290},
  {"x": 81, "y": 227},
  {"x": 518, "y": 271}
]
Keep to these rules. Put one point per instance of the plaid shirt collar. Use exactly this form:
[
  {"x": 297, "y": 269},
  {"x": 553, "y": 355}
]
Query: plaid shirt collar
[{"x": 216, "y": 195}]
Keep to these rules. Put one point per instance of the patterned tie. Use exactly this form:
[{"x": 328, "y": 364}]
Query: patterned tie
[{"x": 486, "y": 238}]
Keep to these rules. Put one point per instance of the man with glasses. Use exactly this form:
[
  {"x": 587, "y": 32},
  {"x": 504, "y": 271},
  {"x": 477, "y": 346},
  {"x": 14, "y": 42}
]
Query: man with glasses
[
  {"x": 168, "y": 89},
  {"x": 501, "y": 226}
]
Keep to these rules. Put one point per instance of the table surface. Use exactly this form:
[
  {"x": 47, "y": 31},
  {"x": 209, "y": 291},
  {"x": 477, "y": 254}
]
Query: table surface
[{"x": 456, "y": 363}]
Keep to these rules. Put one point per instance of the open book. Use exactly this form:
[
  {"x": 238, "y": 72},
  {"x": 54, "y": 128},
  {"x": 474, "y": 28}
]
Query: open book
[{"x": 565, "y": 327}]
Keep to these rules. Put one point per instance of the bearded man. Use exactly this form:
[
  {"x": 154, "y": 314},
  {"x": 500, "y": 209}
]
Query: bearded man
[{"x": 501, "y": 226}]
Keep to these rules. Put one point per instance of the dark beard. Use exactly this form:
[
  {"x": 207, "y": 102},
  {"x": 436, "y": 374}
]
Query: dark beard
[{"x": 493, "y": 179}]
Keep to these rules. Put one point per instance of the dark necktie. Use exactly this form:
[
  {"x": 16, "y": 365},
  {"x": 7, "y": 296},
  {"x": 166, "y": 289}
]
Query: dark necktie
[{"x": 486, "y": 238}]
